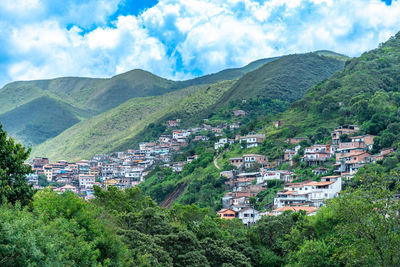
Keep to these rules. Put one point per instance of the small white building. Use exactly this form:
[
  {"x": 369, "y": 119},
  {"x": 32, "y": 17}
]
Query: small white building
[{"x": 248, "y": 216}]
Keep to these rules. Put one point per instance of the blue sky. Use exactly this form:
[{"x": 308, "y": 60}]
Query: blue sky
[{"x": 179, "y": 39}]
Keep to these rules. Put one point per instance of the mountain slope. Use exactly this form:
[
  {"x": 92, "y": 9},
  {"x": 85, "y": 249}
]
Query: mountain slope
[
  {"x": 119, "y": 128},
  {"x": 286, "y": 78},
  {"x": 228, "y": 74},
  {"x": 92, "y": 96},
  {"x": 365, "y": 92},
  {"x": 38, "y": 120}
]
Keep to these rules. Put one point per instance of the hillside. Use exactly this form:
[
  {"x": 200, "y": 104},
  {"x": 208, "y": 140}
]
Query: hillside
[
  {"x": 39, "y": 120},
  {"x": 365, "y": 92},
  {"x": 122, "y": 127},
  {"x": 83, "y": 140},
  {"x": 90, "y": 96},
  {"x": 228, "y": 74},
  {"x": 286, "y": 78}
]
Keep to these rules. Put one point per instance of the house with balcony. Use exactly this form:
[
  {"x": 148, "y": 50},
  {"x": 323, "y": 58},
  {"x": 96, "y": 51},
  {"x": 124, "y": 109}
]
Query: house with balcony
[{"x": 309, "y": 193}]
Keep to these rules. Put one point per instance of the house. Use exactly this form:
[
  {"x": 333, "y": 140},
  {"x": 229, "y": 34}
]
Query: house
[
  {"x": 252, "y": 140},
  {"x": 68, "y": 188},
  {"x": 282, "y": 175},
  {"x": 222, "y": 142},
  {"x": 227, "y": 174},
  {"x": 309, "y": 210},
  {"x": 238, "y": 162},
  {"x": 110, "y": 182},
  {"x": 350, "y": 162},
  {"x": 239, "y": 112},
  {"x": 249, "y": 216},
  {"x": 39, "y": 163},
  {"x": 178, "y": 166},
  {"x": 341, "y": 130},
  {"x": 180, "y": 134},
  {"x": 251, "y": 159},
  {"x": 384, "y": 152},
  {"x": 309, "y": 192},
  {"x": 217, "y": 130},
  {"x": 289, "y": 154},
  {"x": 226, "y": 214},
  {"x": 86, "y": 180},
  {"x": 201, "y": 138},
  {"x": 172, "y": 123},
  {"x": 317, "y": 154},
  {"x": 48, "y": 172}
]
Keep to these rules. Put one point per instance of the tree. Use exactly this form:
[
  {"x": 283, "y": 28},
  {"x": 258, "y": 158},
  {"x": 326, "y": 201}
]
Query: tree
[{"x": 13, "y": 171}]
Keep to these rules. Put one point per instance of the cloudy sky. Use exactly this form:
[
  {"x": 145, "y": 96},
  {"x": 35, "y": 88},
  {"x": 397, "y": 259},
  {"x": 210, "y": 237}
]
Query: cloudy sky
[{"x": 179, "y": 39}]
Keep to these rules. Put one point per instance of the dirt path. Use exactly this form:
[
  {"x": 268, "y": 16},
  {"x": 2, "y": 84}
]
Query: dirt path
[
  {"x": 167, "y": 203},
  {"x": 216, "y": 163}
]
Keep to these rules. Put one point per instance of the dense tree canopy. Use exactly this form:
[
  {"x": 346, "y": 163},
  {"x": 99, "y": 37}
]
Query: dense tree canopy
[{"x": 13, "y": 171}]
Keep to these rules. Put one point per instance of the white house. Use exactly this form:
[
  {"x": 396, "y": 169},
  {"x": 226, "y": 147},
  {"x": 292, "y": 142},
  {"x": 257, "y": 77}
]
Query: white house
[
  {"x": 86, "y": 181},
  {"x": 252, "y": 140},
  {"x": 310, "y": 193},
  {"x": 249, "y": 216},
  {"x": 282, "y": 175}
]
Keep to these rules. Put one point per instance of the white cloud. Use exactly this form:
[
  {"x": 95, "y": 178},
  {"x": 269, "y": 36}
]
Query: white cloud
[{"x": 175, "y": 39}]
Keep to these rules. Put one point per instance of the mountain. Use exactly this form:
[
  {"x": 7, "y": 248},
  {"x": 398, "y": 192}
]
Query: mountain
[
  {"x": 39, "y": 120},
  {"x": 88, "y": 97},
  {"x": 365, "y": 92},
  {"x": 228, "y": 74},
  {"x": 286, "y": 78},
  {"x": 121, "y": 127},
  {"x": 96, "y": 136}
]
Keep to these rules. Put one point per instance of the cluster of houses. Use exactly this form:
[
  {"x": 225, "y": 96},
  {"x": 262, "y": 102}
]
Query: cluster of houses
[
  {"x": 249, "y": 141},
  {"x": 253, "y": 173},
  {"x": 347, "y": 151},
  {"x": 244, "y": 185},
  {"x": 121, "y": 169}
]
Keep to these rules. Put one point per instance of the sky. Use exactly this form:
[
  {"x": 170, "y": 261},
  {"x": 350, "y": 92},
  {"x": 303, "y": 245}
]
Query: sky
[{"x": 42, "y": 39}]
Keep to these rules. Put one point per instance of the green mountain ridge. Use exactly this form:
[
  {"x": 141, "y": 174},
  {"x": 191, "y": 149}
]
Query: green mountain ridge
[
  {"x": 286, "y": 78},
  {"x": 365, "y": 92},
  {"x": 79, "y": 142},
  {"x": 93, "y": 96},
  {"x": 119, "y": 128}
]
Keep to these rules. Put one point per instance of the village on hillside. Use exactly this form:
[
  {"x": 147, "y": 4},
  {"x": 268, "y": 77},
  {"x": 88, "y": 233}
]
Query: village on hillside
[{"x": 250, "y": 175}]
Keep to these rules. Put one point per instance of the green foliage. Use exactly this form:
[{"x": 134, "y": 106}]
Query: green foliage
[
  {"x": 286, "y": 78},
  {"x": 39, "y": 120},
  {"x": 365, "y": 92},
  {"x": 13, "y": 171},
  {"x": 60, "y": 230}
]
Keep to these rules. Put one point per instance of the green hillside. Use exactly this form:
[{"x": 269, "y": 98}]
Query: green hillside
[
  {"x": 97, "y": 136},
  {"x": 286, "y": 78},
  {"x": 228, "y": 74},
  {"x": 90, "y": 96},
  {"x": 365, "y": 92},
  {"x": 122, "y": 127},
  {"x": 39, "y": 120}
]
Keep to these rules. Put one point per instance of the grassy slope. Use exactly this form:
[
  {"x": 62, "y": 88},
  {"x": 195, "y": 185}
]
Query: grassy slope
[
  {"x": 118, "y": 129},
  {"x": 343, "y": 97},
  {"x": 38, "y": 120},
  {"x": 286, "y": 78}
]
